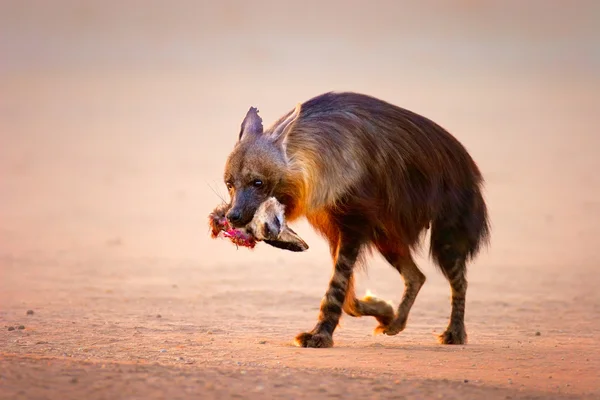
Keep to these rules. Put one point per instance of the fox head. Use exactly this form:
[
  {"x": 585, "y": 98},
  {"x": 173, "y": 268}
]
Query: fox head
[{"x": 257, "y": 164}]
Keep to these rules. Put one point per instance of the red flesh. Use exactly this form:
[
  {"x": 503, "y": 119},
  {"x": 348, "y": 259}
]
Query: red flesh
[{"x": 221, "y": 227}]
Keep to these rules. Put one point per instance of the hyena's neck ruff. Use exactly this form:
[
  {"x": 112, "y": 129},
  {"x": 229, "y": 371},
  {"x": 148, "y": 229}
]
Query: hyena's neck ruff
[{"x": 366, "y": 174}]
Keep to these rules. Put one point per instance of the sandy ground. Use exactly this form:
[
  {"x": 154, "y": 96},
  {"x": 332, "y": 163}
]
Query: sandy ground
[
  {"x": 151, "y": 328},
  {"x": 115, "y": 123}
]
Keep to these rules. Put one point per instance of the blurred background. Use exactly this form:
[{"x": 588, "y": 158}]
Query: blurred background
[{"x": 116, "y": 117}]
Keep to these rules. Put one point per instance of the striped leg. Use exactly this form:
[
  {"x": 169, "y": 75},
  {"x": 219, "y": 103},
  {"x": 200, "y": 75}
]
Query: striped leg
[
  {"x": 333, "y": 301},
  {"x": 456, "y": 333},
  {"x": 450, "y": 247}
]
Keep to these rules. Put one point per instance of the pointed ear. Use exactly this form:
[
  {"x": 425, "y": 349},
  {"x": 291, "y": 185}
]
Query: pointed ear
[
  {"x": 288, "y": 240},
  {"x": 281, "y": 130},
  {"x": 252, "y": 124},
  {"x": 296, "y": 243}
]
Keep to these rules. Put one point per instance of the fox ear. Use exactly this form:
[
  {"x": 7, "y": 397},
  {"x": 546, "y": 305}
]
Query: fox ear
[
  {"x": 288, "y": 240},
  {"x": 281, "y": 130},
  {"x": 252, "y": 124}
]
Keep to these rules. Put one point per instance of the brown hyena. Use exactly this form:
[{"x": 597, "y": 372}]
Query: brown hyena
[
  {"x": 367, "y": 175},
  {"x": 268, "y": 225}
]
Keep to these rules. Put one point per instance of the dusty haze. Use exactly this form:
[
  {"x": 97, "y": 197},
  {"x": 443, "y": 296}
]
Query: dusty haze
[{"x": 115, "y": 122}]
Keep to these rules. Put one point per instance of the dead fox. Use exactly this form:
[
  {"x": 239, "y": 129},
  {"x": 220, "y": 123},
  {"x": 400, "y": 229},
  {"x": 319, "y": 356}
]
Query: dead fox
[
  {"x": 367, "y": 175},
  {"x": 268, "y": 225}
]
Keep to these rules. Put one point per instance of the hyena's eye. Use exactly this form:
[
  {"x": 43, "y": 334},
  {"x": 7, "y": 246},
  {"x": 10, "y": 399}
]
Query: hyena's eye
[{"x": 257, "y": 183}]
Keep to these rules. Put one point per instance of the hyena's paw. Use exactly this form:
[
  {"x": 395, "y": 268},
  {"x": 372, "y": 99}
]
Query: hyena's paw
[
  {"x": 380, "y": 309},
  {"x": 392, "y": 329},
  {"x": 453, "y": 335},
  {"x": 315, "y": 340}
]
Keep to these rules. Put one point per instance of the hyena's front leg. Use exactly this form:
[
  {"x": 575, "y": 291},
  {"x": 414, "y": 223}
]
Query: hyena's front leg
[
  {"x": 333, "y": 301},
  {"x": 368, "y": 306}
]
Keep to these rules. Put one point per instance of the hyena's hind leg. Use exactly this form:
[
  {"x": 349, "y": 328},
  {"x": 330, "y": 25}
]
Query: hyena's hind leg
[
  {"x": 401, "y": 259},
  {"x": 456, "y": 236},
  {"x": 450, "y": 252}
]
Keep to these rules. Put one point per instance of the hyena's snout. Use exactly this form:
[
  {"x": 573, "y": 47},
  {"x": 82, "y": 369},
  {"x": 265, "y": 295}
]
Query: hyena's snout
[
  {"x": 243, "y": 207},
  {"x": 239, "y": 217},
  {"x": 234, "y": 216}
]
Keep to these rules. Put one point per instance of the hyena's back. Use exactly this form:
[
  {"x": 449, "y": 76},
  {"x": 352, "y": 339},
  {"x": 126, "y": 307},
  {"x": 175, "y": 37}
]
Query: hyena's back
[{"x": 397, "y": 171}]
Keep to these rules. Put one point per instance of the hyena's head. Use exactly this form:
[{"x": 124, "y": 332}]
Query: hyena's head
[{"x": 257, "y": 164}]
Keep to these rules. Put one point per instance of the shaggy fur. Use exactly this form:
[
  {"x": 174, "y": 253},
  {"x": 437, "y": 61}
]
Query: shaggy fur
[{"x": 367, "y": 175}]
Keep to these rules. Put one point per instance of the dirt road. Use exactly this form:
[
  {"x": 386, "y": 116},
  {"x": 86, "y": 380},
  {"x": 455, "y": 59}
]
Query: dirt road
[{"x": 151, "y": 328}]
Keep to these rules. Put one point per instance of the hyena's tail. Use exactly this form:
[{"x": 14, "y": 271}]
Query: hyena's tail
[{"x": 460, "y": 230}]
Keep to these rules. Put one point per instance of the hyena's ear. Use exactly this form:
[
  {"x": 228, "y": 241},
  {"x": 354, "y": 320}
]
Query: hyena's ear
[
  {"x": 252, "y": 124},
  {"x": 281, "y": 130}
]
